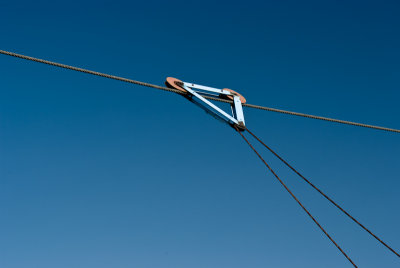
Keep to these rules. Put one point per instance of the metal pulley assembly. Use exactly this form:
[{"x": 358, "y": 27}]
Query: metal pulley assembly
[{"x": 194, "y": 93}]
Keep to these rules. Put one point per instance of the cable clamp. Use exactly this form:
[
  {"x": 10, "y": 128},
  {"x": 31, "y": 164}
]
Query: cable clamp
[{"x": 195, "y": 94}]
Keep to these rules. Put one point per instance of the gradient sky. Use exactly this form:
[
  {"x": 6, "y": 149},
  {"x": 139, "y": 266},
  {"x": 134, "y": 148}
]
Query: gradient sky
[{"x": 99, "y": 173}]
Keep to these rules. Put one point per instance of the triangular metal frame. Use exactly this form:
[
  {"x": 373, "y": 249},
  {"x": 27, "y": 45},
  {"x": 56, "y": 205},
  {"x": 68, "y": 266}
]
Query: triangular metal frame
[{"x": 195, "y": 93}]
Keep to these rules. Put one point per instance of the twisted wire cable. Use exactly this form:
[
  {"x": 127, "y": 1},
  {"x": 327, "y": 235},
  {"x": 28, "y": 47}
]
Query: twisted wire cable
[
  {"x": 323, "y": 194},
  {"x": 298, "y": 201},
  {"x": 60, "y": 65}
]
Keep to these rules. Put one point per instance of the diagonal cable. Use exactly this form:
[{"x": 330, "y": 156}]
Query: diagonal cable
[
  {"x": 60, "y": 65},
  {"x": 297, "y": 200},
  {"x": 322, "y": 118},
  {"x": 323, "y": 194}
]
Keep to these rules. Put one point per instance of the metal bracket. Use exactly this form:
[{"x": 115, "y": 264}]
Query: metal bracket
[{"x": 195, "y": 93}]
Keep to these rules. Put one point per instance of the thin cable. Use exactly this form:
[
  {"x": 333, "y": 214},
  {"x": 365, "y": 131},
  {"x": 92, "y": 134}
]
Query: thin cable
[
  {"x": 86, "y": 71},
  {"x": 179, "y": 92},
  {"x": 64, "y": 66},
  {"x": 322, "y": 118},
  {"x": 297, "y": 200},
  {"x": 323, "y": 194}
]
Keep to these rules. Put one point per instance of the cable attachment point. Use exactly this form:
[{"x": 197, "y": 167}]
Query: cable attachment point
[{"x": 197, "y": 93}]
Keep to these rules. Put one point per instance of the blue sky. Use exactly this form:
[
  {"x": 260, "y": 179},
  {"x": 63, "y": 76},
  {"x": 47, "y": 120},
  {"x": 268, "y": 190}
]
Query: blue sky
[{"x": 98, "y": 173}]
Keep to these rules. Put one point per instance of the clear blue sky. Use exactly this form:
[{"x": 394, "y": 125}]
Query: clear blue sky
[{"x": 98, "y": 173}]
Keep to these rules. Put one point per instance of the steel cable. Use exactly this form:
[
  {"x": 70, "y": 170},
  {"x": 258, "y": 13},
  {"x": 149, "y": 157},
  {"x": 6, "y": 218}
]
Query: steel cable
[
  {"x": 297, "y": 200},
  {"x": 179, "y": 92},
  {"x": 321, "y": 118},
  {"x": 322, "y": 193}
]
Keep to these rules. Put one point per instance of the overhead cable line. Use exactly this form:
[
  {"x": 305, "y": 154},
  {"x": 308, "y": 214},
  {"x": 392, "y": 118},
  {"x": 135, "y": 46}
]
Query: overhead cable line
[
  {"x": 297, "y": 200},
  {"x": 323, "y": 194},
  {"x": 322, "y": 118},
  {"x": 60, "y": 65}
]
